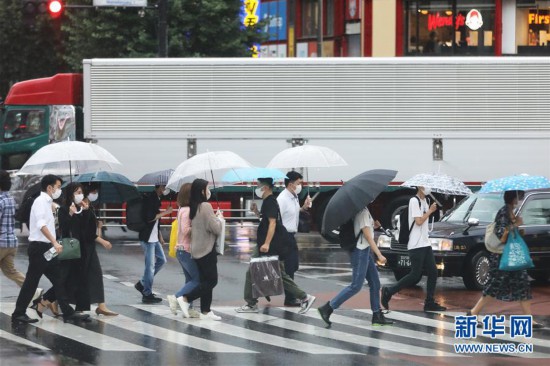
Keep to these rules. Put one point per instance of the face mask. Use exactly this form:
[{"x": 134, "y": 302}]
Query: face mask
[
  {"x": 166, "y": 192},
  {"x": 93, "y": 197},
  {"x": 427, "y": 191},
  {"x": 56, "y": 194},
  {"x": 259, "y": 192},
  {"x": 78, "y": 198},
  {"x": 208, "y": 195},
  {"x": 298, "y": 189}
]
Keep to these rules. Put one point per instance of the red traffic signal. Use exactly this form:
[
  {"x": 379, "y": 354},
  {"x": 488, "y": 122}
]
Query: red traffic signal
[{"x": 55, "y": 8}]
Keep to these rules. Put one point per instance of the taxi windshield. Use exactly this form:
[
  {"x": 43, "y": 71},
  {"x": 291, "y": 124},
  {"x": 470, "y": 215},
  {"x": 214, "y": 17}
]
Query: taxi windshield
[{"x": 483, "y": 207}]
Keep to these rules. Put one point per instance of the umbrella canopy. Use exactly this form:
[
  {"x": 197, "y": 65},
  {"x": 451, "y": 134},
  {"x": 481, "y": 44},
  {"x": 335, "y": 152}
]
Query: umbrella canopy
[
  {"x": 204, "y": 163},
  {"x": 252, "y": 174},
  {"x": 70, "y": 158},
  {"x": 354, "y": 195},
  {"x": 520, "y": 182},
  {"x": 439, "y": 183},
  {"x": 113, "y": 187},
  {"x": 160, "y": 177},
  {"x": 307, "y": 156}
]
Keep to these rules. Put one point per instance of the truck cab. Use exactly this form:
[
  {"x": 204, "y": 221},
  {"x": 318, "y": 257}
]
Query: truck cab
[{"x": 38, "y": 112}]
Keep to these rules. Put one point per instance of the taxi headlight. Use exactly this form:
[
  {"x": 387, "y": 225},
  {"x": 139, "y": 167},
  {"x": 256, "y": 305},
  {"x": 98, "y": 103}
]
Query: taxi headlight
[
  {"x": 384, "y": 241},
  {"x": 441, "y": 244}
]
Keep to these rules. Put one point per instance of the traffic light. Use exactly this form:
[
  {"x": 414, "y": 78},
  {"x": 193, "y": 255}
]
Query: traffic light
[
  {"x": 32, "y": 8},
  {"x": 55, "y": 8}
]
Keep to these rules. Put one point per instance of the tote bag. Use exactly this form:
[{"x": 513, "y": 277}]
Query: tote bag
[
  {"x": 265, "y": 275},
  {"x": 71, "y": 249},
  {"x": 515, "y": 256},
  {"x": 492, "y": 242}
]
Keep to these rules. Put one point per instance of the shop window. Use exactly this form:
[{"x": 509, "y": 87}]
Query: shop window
[
  {"x": 449, "y": 27},
  {"x": 533, "y": 27},
  {"x": 310, "y": 16}
]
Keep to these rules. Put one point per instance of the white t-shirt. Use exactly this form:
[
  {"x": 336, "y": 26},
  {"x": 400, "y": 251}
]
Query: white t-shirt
[
  {"x": 290, "y": 210},
  {"x": 363, "y": 219},
  {"x": 419, "y": 234},
  {"x": 154, "y": 237}
]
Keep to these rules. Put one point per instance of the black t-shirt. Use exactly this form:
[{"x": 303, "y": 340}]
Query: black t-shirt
[{"x": 270, "y": 210}]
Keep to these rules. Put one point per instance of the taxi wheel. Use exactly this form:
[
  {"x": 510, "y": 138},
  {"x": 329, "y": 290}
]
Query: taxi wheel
[{"x": 476, "y": 271}]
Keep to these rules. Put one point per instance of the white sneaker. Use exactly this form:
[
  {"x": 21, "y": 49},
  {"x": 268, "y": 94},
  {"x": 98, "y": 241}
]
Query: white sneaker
[
  {"x": 210, "y": 316},
  {"x": 194, "y": 313},
  {"x": 306, "y": 304},
  {"x": 247, "y": 309},
  {"x": 184, "y": 306},
  {"x": 173, "y": 304}
]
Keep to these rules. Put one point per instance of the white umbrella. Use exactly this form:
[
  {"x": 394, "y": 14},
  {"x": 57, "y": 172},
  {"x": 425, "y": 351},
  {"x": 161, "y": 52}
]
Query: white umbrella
[
  {"x": 307, "y": 156},
  {"x": 439, "y": 183},
  {"x": 70, "y": 158},
  {"x": 204, "y": 163}
]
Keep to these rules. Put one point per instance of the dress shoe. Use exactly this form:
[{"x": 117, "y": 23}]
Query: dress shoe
[
  {"x": 75, "y": 317},
  {"x": 105, "y": 312},
  {"x": 23, "y": 319},
  {"x": 325, "y": 311}
]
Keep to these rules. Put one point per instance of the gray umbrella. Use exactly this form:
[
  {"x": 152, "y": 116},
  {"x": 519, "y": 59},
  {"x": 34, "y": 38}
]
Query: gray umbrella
[
  {"x": 156, "y": 178},
  {"x": 353, "y": 196}
]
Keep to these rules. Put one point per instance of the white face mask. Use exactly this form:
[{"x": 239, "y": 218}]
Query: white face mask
[
  {"x": 208, "y": 194},
  {"x": 427, "y": 191},
  {"x": 78, "y": 198},
  {"x": 56, "y": 194},
  {"x": 93, "y": 197},
  {"x": 298, "y": 189},
  {"x": 166, "y": 192},
  {"x": 259, "y": 192}
]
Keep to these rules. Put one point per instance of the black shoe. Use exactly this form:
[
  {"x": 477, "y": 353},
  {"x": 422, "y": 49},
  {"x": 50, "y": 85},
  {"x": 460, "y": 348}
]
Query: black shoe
[
  {"x": 433, "y": 306},
  {"x": 325, "y": 311},
  {"x": 268, "y": 298},
  {"x": 538, "y": 325},
  {"x": 478, "y": 322},
  {"x": 293, "y": 303},
  {"x": 76, "y": 317},
  {"x": 378, "y": 318},
  {"x": 23, "y": 319},
  {"x": 150, "y": 299},
  {"x": 386, "y": 297},
  {"x": 138, "y": 286}
]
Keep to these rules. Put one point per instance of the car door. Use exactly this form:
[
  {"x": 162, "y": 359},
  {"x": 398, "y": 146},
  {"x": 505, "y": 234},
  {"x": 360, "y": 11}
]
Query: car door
[{"x": 535, "y": 211}]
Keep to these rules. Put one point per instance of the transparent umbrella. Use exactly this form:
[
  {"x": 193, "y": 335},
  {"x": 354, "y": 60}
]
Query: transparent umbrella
[{"x": 439, "y": 183}]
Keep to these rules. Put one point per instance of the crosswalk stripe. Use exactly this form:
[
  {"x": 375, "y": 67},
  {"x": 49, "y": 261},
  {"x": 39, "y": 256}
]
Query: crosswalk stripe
[
  {"x": 338, "y": 335},
  {"x": 247, "y": 334},
  {"x": 82, "y": 335},
  {"x": 14, "y": 338},
  {"x": 171, "y": 336},
  {"x": 441, "y": 324}
]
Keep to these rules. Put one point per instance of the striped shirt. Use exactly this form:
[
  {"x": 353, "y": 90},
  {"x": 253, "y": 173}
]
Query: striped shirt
[{"x": 7, "y": 221}]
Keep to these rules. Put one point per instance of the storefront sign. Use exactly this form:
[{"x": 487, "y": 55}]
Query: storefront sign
[
  {"x": 539, "y": 19},
  {"x": 437, "y": 21},
  {"x": 251, "y": 8},
  {"x": 275, "y": 14},
  {"x": 474, "y": 21}
]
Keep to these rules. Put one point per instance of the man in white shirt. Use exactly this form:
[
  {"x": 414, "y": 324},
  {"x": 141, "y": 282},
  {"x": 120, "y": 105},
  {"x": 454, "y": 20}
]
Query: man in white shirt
[
  {"x": 420, "y": 252},
  {"x": 42, "y": 239},
  {"x": 289, "y": 204}
]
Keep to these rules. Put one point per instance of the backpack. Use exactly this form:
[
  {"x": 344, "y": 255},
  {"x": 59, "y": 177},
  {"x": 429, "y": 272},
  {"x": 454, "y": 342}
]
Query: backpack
[
  {"x": 404, "y": 229},
  {"x": 348, "y": 239},
  {"x": 23, "y": 213},
  {"x": 135, "y": 220}
]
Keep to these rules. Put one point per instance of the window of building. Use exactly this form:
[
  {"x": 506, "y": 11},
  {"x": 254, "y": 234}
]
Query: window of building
[
  {"x": 329, "y": 16},
  {"x": 310, "y": 16},
  {"x": 533, "y": 27},
  {"x": 449, "y": 27}
]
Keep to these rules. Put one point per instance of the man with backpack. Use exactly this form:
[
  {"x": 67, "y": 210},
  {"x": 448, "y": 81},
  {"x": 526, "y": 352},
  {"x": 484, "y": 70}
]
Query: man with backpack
[
  {"x": 151, "y": 241},
  {"x": 420, "y": 252}
]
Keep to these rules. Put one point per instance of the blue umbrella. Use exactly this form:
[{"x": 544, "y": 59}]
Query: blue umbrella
[
  {"x": 113, "y": 187},
  {"x": 252, "y": 174},
  {"x": 520, "y": 182}
]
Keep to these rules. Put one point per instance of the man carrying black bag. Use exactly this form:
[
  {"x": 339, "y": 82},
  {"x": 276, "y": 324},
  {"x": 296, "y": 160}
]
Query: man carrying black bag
[{"x": 272, "y": 239}]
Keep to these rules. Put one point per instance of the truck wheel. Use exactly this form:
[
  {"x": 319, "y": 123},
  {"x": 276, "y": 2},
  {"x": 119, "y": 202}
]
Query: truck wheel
[
  {"x": 400, "y": 273},
  {"x": 540, "y": 276},
  {"x": 476, "y": 271},
  {"x": 392, "y": 209}
]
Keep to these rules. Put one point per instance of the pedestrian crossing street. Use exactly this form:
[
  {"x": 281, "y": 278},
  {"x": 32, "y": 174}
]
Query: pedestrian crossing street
[{"x": 152, "y": 328}]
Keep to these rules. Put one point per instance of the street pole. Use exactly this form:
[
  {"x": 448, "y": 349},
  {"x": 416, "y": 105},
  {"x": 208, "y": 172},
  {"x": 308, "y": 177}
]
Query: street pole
[
  {"x": 163, "y": 28},
  {"x": 320, "y": 29}
]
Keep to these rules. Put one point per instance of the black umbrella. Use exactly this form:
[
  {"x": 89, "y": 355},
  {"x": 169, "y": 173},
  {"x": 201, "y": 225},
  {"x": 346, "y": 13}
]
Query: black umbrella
[{"x": 353, "y": 196}]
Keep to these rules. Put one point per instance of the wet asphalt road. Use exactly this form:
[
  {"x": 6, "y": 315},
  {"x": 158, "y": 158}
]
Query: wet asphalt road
[{"x": 151, "y": 335}]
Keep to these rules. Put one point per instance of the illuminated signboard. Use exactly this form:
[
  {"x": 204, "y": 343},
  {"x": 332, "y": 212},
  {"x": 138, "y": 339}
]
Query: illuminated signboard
[{"x": 251, "y": 9}]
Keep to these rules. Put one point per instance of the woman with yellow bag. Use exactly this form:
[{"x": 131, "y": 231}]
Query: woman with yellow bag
[{"x": 180, "y": 241}]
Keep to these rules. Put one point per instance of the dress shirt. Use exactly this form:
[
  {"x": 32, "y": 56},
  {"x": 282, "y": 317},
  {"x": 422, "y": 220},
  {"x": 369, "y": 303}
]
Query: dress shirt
[
  {"x": 41, "y": 215},
  {"x": 290, "y": 210}
]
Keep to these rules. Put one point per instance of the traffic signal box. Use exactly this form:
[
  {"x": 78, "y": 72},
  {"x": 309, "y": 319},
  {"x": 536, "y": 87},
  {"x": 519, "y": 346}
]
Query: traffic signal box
[{"x": 33, "y": 8}]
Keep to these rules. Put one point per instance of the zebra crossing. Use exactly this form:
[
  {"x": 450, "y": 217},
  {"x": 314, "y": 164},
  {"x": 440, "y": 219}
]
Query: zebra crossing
[{"x": 241, "y": 337}]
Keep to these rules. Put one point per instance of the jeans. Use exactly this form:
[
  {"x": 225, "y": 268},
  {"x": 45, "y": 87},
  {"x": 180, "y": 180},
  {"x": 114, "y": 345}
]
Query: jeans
[
  {"x": 422, "y": 259},
  {"x": 292, "y": 263},
  {"x": 363, "y": 267},
  {"x": 191, "y": 272},
  {"x": 154, "y": 260}
]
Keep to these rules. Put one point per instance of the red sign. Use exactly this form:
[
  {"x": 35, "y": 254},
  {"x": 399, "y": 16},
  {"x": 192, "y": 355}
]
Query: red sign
[{"x": 437, "y": 21}]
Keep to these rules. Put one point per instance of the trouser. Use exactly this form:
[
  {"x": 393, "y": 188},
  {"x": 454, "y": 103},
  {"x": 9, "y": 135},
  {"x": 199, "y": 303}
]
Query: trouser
[
  {"x": 191, "y": 272},
  {"x": 422, "y": 259},
  {"x": 208, "y": 274},
  {"x": 68, "y": 276},
  {"x": 38, "y": 266},
  {"x": 7, "y": 258},
  {"x": 292, "y": 263},
  {"x": 154, "y": 260},
  {"x": 363, "y": 267},
  {"x": 288, "y": 284}
]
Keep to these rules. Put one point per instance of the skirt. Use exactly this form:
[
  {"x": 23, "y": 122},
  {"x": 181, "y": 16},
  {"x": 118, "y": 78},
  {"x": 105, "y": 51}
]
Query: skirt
[{"x": 505, "y": 285}]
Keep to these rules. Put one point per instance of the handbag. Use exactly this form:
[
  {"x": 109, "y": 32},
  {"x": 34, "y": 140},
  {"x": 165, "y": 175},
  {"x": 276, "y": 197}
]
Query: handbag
[
  {"x": 71, "y": 249},
  {"x": 265, "y": 276},
  {"x": 173, "y": 239},
  {"x": 492, "y": 242},
  {"x": 515, "y": 256}
]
